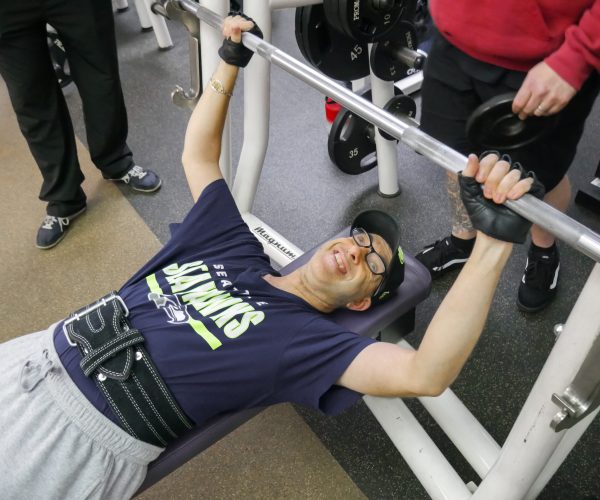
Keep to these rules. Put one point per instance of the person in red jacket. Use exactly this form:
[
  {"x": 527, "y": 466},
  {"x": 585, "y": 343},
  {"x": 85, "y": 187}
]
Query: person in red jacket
[{"x": 548, "y": 52}]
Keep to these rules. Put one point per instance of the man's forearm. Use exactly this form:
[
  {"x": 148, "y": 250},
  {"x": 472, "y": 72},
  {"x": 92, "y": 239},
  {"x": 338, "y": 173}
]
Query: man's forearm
[
  {"x": 205, "y": 128},
  {"x": 459, "y": 321}
]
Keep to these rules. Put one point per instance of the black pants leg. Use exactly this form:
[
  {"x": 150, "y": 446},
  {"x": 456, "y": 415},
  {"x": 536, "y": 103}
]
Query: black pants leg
[
  {"x": 86, "y": 28},
  {"x": 41, "y": 110}
]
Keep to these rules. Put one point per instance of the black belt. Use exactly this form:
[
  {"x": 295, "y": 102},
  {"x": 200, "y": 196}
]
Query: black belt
[{"x": 113, "y": 354}]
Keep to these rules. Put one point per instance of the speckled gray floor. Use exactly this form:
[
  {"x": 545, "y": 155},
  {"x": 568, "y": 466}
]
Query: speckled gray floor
[{"x": 307, "y": 199}]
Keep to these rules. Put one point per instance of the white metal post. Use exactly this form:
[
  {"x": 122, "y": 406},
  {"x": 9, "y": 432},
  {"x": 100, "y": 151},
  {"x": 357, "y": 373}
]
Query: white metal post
[
  {"x": 531, "y": 441},
  {"x": 437, "y": 476},
  {"x": 257, "y": 88},
  {"x": 571, "y": 436},
  {"x": 159, "y": 25},
  {"x": 210, "y": 42},
  {"x": 387, "y": 154},
  {"x": 121, "y": 5},
  {"x": 143, "y": 15},
  {"x": 470, "y": 438}
]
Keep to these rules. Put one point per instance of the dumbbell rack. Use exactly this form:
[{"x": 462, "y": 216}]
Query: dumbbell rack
[{"x": 535, "y": 448}]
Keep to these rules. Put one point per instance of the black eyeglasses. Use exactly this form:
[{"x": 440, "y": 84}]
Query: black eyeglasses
[{"x": 374, "y": 260}]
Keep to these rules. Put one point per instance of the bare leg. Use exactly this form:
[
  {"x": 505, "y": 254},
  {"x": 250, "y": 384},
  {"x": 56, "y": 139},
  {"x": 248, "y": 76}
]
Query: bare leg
[{"x": 559, "y": 197}]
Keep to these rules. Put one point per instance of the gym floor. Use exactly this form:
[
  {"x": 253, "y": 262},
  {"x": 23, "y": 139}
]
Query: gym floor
[{"x": 285, "y": 452}]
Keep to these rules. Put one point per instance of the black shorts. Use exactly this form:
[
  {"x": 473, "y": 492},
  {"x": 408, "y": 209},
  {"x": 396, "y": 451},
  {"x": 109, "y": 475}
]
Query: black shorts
[{"x": 455, "y": 84}]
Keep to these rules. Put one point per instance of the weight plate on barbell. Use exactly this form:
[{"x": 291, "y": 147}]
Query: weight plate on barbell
[
  {"x": 328, "y": 50},
  {"x": 493, "y": 125}
]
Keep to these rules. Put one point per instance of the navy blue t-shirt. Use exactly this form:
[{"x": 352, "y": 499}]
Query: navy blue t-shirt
[{"x": 221, "y": 336}]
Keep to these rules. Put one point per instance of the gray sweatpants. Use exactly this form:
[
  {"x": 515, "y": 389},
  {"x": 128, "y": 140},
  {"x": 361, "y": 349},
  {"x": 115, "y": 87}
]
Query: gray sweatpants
[{"x": 53, "y": 443}]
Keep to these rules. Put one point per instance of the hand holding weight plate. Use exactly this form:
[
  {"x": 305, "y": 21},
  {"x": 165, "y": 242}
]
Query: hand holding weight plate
[{"x": 493, "y": 125}]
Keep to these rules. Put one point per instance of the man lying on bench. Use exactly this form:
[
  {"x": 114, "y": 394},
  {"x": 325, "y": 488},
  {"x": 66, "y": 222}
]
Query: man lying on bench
[{"x": 208, "y": 326}]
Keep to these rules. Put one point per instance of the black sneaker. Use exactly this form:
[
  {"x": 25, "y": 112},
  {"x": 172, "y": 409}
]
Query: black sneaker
[
  {"x": 540, "y": 280},
  {"x": 140, "y": 179},
  {"x": 442, "y": 256},
  {"x": 54, "y": 229}
]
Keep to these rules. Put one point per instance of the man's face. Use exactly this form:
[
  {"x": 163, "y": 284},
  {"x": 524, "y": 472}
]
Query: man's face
[{"x": 339, "y": 271}]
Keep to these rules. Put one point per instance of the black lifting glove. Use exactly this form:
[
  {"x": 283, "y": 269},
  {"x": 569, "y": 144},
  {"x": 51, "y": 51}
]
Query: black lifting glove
[
  {"x": 492, "y": 219},
  {"x": 235, "y": 53}
]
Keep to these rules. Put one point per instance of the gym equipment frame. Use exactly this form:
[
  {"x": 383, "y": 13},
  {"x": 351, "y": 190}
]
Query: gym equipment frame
[
  {"x": 149, "y": 21},
  {"x": 565, "y": 398}
]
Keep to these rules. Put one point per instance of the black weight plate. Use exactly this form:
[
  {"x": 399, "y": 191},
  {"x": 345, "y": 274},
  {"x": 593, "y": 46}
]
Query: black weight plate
[
  {"x": 331, "y": 52},
  {"x": 400, "y": 105},
  {"x": 331, "y": 10},
  {"x": 351, "y": 143},
  {"x": 493, "y": 125},
  {"x": 384, "y": 63},
  {"x": 365, "y": 20},
  {"x": 299, "y": 31}
]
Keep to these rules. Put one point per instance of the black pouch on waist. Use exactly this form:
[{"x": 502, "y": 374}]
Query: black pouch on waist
[{"x": 113, "y": 354}]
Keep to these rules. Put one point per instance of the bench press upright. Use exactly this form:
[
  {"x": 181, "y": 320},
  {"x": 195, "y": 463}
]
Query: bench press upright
[
  {"x": 256, "y": 106},
  {"x": 559, "y": 407}
]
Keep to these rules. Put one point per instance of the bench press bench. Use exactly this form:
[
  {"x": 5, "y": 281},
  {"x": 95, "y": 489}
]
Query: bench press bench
[{"x": 398, "y": 310}]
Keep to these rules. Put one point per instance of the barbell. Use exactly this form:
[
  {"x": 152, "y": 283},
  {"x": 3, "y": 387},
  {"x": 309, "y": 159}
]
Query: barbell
[{"x": 562, "y": 226}]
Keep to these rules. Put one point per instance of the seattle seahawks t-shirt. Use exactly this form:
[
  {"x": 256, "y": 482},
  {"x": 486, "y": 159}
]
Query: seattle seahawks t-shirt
[{"x": 222, "y": 337}]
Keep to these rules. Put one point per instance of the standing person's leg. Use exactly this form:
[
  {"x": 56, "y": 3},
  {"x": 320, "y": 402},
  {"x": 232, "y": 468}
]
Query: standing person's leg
[
  {"x": 560, "y": 198},
  {"x": 550, "y": 159},
  {"x": 448, "y": 98},
  {"x": 86, "y": 28},
  {"x": 43, "y": 118}
]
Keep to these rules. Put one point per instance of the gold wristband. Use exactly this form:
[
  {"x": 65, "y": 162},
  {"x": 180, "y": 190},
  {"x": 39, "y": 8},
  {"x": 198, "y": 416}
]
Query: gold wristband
[{"x": 218, "y": 87}]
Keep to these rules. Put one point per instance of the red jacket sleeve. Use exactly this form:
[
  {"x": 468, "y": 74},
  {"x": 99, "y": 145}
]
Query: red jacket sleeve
[{"x": 579, "y": 55}]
